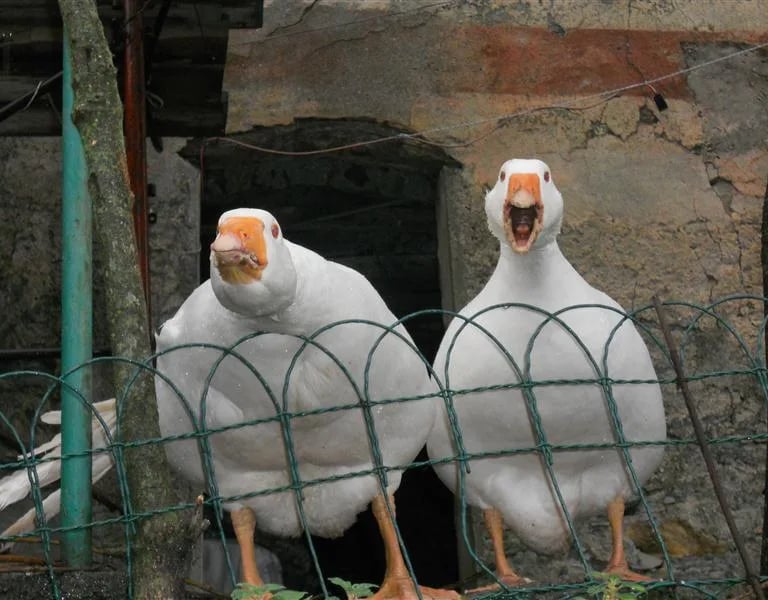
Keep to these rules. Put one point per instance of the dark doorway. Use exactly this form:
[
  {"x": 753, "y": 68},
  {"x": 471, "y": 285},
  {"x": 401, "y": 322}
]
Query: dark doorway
[{"x": 373, "y": 209}]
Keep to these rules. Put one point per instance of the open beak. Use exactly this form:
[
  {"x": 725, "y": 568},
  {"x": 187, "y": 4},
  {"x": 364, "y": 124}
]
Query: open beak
[{"x": 523, "y": 211}]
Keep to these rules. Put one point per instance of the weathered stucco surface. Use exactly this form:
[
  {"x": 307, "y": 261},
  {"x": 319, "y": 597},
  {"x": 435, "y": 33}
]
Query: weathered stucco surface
[{"x": 657, "y": 202}]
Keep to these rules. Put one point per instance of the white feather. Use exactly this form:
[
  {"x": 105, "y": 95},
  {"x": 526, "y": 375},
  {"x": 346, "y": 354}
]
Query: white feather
[{"x": 16, "y": 487}]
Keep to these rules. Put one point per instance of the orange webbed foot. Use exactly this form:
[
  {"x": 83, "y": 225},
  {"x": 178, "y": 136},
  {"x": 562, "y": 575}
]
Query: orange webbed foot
[
  {"x": 622, "y": 571},
  {"x": 509, "y": 580},
  {"x": 402, "y": 588}
]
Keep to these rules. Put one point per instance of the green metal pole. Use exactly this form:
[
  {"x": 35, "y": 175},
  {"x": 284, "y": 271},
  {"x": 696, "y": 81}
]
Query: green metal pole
[{"x": 76, "y": 334}]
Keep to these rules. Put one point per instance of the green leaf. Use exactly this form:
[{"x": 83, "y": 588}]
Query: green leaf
[
  {"x": 342, "y": 583},
  {"x": 244, "y": 591},
  {"x": 363, "y": 590},
  {"x": 269, "y": 587},
  {"x": 247, "y": 591},
  {"x": 289, "y": 595},
  {"x": 354, "y": 590},
  {"x": 595, "y": 589}
]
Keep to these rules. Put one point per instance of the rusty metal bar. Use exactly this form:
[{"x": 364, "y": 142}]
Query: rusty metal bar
[
  {"x": 135, "y": 126},
  {"x": 701, "y": 438}
]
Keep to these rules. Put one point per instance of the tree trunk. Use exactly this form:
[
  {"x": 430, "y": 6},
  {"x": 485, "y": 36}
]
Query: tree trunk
[
  {"x": 162, "y": 544},
  {"x": 764, "y": 263}
]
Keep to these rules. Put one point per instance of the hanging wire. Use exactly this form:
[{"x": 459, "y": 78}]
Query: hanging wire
[{"x": 423, "y": 136}]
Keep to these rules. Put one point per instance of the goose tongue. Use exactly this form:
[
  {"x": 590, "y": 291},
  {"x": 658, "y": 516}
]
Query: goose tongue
[{"x": 523, "y": 220}]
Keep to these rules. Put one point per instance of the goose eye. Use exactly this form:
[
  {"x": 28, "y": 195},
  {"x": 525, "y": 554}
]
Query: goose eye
[
  {"x": 546, "y": 175},
  {"x": 502, "y": 176},
  {"x": 275, "y": 230}
]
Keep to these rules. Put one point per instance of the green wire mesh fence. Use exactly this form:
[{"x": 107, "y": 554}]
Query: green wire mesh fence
[{"x": 722, "y": 352}]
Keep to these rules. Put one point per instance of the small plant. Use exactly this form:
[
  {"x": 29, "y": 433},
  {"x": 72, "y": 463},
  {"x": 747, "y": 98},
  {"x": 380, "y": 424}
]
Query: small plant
[
  {"x": 613, "y": 587},
  {"x": 354, "y": 591},
  {"x": 275, "y": 591}
]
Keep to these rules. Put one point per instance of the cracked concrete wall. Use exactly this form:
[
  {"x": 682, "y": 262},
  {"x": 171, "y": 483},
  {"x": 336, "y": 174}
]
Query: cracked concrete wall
[{"x": 665, "y": 203}]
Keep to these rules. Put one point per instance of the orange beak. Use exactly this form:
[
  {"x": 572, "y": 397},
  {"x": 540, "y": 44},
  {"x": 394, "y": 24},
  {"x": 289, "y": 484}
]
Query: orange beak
[
  {"x": 527, "y": 182},
  {"x": 240, "y": 250},
  {"x": 523, "y": 211}
]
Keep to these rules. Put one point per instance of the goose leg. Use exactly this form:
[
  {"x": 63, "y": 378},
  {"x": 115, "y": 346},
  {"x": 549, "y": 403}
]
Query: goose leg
[
  {"x": 244, "y": 524},
  {"x": 397, "y": 582},
  {"x": 617, "y": 565},
  {"x": 495, "y": 525}
]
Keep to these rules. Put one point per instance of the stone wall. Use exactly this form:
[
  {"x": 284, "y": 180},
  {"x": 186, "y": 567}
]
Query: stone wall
[{"x": 657, "y": 202}]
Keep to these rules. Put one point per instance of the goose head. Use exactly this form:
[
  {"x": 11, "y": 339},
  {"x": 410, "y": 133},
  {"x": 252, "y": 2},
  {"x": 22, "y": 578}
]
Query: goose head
[
  {"x": 524, "y": 208},
  {"x": 252, "y": 271}
]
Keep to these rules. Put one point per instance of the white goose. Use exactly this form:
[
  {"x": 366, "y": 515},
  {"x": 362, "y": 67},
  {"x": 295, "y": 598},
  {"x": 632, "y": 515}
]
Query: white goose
[
  {"x": 261, "y": 282},
  {"x": 524, "y": 211}
]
